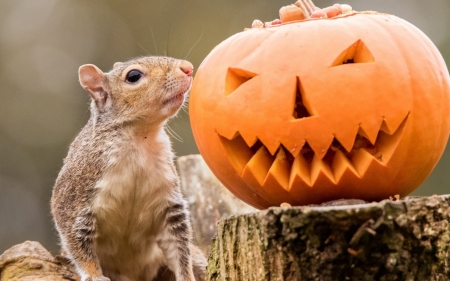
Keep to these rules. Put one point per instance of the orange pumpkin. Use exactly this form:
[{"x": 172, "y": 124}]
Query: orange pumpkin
[{"x": 355, "y": 106}]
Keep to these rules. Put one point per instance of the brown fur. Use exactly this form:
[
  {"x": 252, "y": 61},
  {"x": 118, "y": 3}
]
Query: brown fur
[{"x": 116, "y": 202}]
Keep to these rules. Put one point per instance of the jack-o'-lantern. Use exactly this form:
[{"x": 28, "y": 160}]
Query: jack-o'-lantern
[{"x": 355, "y": 106}]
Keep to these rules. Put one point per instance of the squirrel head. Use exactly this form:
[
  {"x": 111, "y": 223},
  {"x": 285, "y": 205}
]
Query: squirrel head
[{"x": 145, "y": 90}]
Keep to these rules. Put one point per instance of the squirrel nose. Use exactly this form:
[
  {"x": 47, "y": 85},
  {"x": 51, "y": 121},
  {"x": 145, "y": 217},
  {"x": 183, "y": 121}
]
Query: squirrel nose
[{"x": 187, "y": 68}]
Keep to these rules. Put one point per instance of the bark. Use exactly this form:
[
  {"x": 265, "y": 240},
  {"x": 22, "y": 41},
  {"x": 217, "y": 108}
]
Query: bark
[{"x": 403, "y": 240}]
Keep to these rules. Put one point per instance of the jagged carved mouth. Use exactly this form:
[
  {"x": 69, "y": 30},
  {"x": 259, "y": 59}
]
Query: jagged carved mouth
[{"x": 256, "y": 164}]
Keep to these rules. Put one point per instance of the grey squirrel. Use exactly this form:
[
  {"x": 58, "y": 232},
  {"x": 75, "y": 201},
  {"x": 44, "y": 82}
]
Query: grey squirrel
[{"x": 116, "y": 202}]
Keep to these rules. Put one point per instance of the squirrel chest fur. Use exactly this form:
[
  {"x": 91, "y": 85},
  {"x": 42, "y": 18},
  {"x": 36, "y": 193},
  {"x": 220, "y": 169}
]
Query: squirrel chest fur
[
  {"x": 117, "y": 204},
  {"x": 130, "y": 202}
]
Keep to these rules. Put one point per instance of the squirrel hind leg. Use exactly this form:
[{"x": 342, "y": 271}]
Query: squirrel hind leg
[
  {"x": 198, "y": 267},
  {"x": 90, "y": 272},
  {"x": 199, "y": 263}
]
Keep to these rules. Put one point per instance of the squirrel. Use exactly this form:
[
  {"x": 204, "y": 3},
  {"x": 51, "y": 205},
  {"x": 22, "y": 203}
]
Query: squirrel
[{"x": 116, "y": 202}]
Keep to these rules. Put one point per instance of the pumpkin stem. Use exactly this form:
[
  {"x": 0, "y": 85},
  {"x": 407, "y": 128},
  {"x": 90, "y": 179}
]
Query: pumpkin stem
[
  {"x": 305, "y": 9},
  {"x": 302, "y": 9},
  {"x": 307, "y": 6}
]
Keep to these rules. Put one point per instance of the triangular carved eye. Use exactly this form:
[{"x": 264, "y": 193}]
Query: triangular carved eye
[
  {"x": 235, "y": 78},
  {"x": 300, "y": 111},
  {"x": 356, "y": 53}
]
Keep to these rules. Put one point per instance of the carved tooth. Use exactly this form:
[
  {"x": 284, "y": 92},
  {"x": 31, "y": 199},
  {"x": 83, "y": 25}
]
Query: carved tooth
[
  {"x": 387, "y": 144},
  {"x": 370, "y": 130},
  {"x": 258, "y": 166},
  {"x": 227, "y": 133},
  {"x": 385, "y": 128},
  {"x": 342, "y": 165},
  {"x": 320, "y": 172},
  {"x": 371, "y": 138},
  {"x": 320, "y": 144},
  {"x": 279, "y": 172},
  {"x": 238, "y": 152},
  {"x": 249, "y": 138},
  {"x": 270, "y": 143},
  {"x": 346, "y": 176},
  {"x": 293, "y": 147},
  {"x": 276, "y": 184},
  {"x": 300, "y": 180},
  {"x": 391, "y": 125},
  {"x": 361, "y": 160},
  {"x": 300, "y": 172},
  {"x": 347, "y": 138}
]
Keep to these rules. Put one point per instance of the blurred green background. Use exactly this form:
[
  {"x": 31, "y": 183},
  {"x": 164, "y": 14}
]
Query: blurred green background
[{"x": 42, "y": 106}]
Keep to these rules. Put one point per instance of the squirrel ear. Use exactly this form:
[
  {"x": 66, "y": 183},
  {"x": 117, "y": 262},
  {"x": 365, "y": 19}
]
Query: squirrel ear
[
  {"x": 117, "y": 64},
  {"x": 91, "y": 79}
]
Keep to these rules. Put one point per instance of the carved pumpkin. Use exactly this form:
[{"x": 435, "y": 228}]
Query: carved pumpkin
[{"x": 356, "y": 106}]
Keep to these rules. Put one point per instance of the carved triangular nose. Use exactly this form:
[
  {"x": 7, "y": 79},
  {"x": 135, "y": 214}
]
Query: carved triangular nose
[{"x": 300, "y": 110}]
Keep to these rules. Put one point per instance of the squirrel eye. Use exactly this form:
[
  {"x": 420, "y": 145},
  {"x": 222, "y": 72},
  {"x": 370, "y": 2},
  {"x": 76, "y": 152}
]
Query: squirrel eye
[{"x": 133, "y": 76}]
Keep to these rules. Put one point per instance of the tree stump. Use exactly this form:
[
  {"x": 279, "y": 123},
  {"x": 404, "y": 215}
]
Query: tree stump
[{"x": 403, "y": 240}]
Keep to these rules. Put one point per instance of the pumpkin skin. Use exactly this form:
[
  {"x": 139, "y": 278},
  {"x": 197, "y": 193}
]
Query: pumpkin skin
[{"x": 356, "y": 106}]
